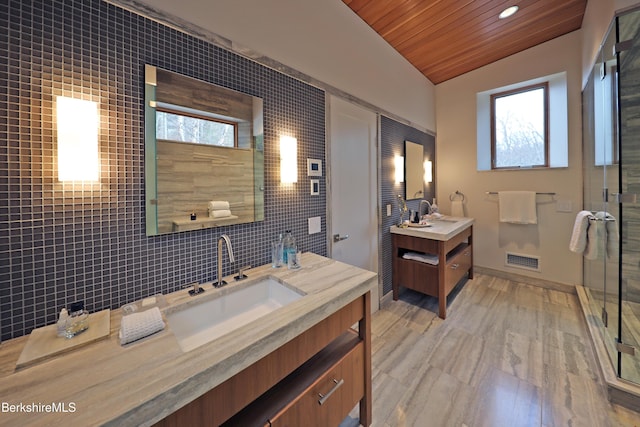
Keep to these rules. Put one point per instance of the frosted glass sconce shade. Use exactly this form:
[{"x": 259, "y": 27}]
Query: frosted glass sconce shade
[
  {"x": 288, "y": 160},
  {"x": 77, "y": 122},
  {"x": 428, "y": 171},
  {"x": 399, "y": 162}
]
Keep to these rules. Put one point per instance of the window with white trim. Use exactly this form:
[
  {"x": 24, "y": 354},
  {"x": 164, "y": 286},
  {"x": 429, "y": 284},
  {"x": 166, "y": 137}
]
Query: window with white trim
[
  {"x": 533, "y": 154},
  {"x": 520, "y": 127}
]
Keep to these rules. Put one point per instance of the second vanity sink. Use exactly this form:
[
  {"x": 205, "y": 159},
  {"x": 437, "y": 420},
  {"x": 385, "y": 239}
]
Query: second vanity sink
[{"x": 201, "y": 322}]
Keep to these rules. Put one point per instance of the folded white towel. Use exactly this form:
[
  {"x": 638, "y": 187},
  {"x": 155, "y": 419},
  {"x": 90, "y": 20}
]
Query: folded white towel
[
  {"x": 457, "y": 208},
  {"x": 139, "y": 325},
  {"x": 417, "y": 256},
  {"x": 578, "y": 241},
  {"x": 222, "y": 213},
  {"x": 518, "y": 207},
  {"x": 218, "y": 205}
]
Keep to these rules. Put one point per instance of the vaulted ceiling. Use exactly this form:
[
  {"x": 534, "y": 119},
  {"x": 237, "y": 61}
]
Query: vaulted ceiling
[{"x": 446, "y": 38}]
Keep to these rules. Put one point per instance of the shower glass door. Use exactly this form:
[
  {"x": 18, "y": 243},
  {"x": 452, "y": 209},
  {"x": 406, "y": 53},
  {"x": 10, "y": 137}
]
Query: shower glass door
[
  {"x": 628, "y": 223},
  {"x": 608, "y": 219},
  {"x": 601, "y": 182}
]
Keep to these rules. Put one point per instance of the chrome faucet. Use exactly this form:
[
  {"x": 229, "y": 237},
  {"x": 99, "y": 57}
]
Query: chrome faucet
[
  {"x": 223, "y": 239},
  {"x": 422, "y": 211}
]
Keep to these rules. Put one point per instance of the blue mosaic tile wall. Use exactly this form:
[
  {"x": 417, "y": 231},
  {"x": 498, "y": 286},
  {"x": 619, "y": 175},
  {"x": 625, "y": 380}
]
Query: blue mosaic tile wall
[
  {"x": 393, "y": 134},
  {"x": 65, "y": 242}
]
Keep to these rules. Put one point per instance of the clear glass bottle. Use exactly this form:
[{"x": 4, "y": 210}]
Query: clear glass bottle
[
  {"x": 276, "y": 252},
  {"x": 78, "y": 320}
]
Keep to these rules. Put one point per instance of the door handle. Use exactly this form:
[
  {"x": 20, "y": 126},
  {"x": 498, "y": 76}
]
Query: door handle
[{"x": 337, "y": 237}]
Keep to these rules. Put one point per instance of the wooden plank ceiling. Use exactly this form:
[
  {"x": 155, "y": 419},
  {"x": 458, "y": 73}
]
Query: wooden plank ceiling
[{"x": 446, "y": 38}]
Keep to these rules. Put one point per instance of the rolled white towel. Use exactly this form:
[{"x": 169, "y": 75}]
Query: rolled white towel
[
  {"x": 139, "y": 325},
  {"x": 221, "y": 213},
  {"x": 218, "y": 205},
  {"x": 578, "y": 241}
]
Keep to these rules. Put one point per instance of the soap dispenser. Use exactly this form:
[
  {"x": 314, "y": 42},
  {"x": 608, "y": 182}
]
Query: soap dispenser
[
  {"x": 61, "y": 325},
  {"x": 434, "y": 207}
]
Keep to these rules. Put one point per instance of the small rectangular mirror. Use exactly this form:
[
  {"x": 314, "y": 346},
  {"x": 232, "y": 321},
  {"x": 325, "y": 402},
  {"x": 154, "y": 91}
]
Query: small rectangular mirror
[{"x": 413, "y": 170}]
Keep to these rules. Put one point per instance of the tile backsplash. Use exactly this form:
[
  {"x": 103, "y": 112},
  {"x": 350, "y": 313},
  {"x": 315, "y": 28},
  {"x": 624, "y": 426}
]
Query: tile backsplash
[{"x": 62, "y": 242}]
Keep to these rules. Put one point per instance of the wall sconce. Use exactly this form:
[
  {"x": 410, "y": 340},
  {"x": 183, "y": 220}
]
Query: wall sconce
[
  {"x": 77, "y": 139},
  {"x": 428, "y": 171},
  {"x": 288, "y": 160},
  {"x": 399, "y": 162}
]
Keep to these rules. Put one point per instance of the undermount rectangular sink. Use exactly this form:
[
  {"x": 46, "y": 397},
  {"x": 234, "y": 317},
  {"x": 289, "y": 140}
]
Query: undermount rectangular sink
[
  {"x": 200, "y": 323},
  {"x": 444, "y": 220}
]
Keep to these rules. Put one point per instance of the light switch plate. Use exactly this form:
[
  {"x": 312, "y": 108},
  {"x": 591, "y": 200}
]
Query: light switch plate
[
  {"x": 388, "y": 210},
  {"x": 564, "y": 206},
  {"x": 314, "y": 225}
]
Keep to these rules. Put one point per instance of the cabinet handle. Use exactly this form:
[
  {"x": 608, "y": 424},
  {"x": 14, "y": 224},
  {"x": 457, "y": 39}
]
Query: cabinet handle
[
  {"x": 324, "y": 397},
  {"x": 455, "y": 266}
]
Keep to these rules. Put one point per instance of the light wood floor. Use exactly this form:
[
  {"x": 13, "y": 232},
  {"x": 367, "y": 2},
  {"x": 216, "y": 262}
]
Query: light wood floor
[{"x": 508, "y": 354}]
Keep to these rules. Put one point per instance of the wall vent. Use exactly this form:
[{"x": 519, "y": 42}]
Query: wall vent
[{"x": 527, "y": 262}]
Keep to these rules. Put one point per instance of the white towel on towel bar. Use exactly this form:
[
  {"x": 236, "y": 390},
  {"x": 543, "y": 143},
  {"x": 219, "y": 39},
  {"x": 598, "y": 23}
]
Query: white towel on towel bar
[
  {"x": 595, "y": 238},
  {"x": 517, "y": 207},
  {"x": 457, "y": 208},
  {"x": 609, "y": 230},
  {"x": 578, "y": 241}
]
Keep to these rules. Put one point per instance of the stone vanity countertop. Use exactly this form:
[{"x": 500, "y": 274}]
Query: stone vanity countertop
[
  {"x": 139, "y": 384},
  {"x": 440, "y": 229}
]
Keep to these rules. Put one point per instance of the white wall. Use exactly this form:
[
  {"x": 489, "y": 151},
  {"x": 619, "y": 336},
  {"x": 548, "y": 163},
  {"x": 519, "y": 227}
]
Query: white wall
[
  {"x": 596, "y": 21},
  {"x": 323, "y": 39},
  {"x": 456, "y": 164}
]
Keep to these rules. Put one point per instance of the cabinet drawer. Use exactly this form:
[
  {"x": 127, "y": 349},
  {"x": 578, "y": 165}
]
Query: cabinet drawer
[
  {"x": 418, "y": 276},
  {"x": 329, "y": 399},
  {"x": 457, "y": 266}
]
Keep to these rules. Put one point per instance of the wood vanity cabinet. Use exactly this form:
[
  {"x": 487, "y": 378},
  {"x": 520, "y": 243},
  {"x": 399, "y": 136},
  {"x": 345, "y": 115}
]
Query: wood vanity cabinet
[
  {"x": 455, "y": 259},
  {"x": 315, "y": 379}
]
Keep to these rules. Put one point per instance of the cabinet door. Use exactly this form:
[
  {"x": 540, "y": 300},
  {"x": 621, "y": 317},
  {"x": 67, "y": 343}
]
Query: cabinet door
[{"x": 330, "y": 398}]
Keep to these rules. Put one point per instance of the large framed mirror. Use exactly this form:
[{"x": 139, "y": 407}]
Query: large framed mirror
[{"x": 204, "y": 154}]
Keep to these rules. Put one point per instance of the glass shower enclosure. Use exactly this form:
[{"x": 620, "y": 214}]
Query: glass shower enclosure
[{"x": 611, "y": 165}]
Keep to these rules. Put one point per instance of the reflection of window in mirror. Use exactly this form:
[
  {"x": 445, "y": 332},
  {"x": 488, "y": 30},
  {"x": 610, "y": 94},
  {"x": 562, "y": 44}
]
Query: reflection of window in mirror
[
  {"x": 203, "y": 143},
  {"x": 178, "y": 126}
]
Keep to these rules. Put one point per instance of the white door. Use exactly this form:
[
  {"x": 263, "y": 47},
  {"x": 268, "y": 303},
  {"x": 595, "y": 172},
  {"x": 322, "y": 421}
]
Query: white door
[{"x": 353, "y": 184}]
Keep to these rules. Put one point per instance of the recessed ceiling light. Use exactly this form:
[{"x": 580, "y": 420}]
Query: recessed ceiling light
[{"x": 508, "y": 12}]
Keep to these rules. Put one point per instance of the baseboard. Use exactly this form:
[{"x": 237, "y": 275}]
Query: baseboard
[
  {"x": 542, "y": 283},
  {"x": 386, "y": 298},
  {"x": 620, "y": 392}
]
